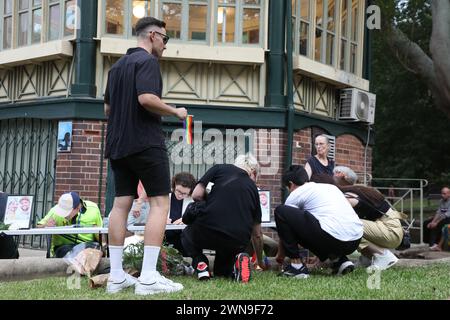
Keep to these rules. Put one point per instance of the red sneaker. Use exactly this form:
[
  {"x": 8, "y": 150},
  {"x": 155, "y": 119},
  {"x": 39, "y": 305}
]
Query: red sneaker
[{"x": 242, "y": 269}]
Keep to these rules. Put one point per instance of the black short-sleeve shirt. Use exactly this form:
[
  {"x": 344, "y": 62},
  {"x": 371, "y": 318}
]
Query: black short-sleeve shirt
[
  {"x": 232, "y": 206},
  {"x": 131, "y": 128}
]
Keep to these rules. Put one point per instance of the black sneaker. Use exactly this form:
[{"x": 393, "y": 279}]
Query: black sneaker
[
  {"x": 242, "y": 270},
  {"x": 290, "y": 271},
  {"x": 342, "y": 266},
  {"x": 202, "y": 271}
]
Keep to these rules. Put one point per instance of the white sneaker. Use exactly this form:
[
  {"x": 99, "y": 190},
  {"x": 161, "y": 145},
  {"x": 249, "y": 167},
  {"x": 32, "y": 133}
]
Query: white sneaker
[
  {"x": 156, "y": 283},
  {"x": 385, "y": 260},
  {"x": 113, "y": 287}
]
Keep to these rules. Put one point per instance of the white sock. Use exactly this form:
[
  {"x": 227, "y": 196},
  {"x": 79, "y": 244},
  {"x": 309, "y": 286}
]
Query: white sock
[
  {"x": 115, "y": 259},
  {"x": 151, "y": 255},
  {"x": 297, "y": 265}
]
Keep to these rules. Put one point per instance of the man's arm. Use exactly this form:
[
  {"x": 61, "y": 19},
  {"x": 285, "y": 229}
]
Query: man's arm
[
  {"x": 154, "y": 104},
  {"x": 107, "y": 109},
  {"x": 257, "y": 241},
  {"x": 199, "y": 192}
]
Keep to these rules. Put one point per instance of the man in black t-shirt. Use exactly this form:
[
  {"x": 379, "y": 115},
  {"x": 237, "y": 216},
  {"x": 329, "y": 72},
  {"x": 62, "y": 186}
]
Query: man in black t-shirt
[
  {"x": 231, "y": 217},
  {"x": 136, "y": 149}
]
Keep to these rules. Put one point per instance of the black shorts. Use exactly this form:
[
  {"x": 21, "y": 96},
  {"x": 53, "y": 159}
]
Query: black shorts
[{"x": 151, "y": 166}]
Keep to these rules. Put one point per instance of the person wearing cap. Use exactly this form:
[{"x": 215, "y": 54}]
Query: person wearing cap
[{"x": 71, "y": 210}]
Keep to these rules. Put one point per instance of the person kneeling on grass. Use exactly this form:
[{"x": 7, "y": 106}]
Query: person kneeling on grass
[
  {"x": 319, "y": 218},
  {"x": 230, "y": 218}
]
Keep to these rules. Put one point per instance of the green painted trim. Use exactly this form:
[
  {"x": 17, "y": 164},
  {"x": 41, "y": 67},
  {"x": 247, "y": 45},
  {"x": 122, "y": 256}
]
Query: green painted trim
[
  {"x": 367, "y": 52},
  {"x": 212, "y": 116},
  {"x": 276, "y": 56},
  {"x": 335, "y": 128},
  {"x": 85, "y": 51}
]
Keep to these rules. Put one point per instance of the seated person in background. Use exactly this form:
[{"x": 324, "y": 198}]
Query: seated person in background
[
  {"x": 319, "y": 218},
  {"x": 432, "y": 227},
  {"x": 71, "y": 210},
  {"x": 183, "y": 184}
]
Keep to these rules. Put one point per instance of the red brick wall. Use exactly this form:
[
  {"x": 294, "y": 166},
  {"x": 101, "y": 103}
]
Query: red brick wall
[
  {"x": 79, "y": 170},
  {"x": 350, "y": 153}
]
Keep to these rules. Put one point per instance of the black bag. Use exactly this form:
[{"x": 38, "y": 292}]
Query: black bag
[
  {"x": 193, "y": 210},
  {"x": 8, "y": 247},
  {"x": 406, "y": 241}
]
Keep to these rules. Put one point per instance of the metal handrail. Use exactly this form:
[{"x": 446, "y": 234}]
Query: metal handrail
[{"x": 409, "y": 191}]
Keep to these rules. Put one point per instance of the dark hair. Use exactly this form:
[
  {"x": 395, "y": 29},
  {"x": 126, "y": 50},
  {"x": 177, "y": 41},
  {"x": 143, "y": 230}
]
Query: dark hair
[
  {"x": 322, "y": 178},
  {"x": 145, "y": 22},
  {"x": 184, "y": 179},
  {"x": 295, "y": 174}
]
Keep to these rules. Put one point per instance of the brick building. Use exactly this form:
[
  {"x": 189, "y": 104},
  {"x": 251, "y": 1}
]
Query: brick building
[{"x": 227, "y": 62}]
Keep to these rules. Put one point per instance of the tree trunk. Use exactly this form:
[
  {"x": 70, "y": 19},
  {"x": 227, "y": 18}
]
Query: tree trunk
[{"x": 435, "y": 70}]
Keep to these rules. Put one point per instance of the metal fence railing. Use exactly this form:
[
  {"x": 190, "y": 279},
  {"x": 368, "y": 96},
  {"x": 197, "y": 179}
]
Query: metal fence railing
[{"x": 405, "y": 195}]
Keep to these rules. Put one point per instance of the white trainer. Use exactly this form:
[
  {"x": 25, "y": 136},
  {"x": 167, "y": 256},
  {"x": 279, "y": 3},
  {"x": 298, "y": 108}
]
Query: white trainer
[
  {"x": 156, "y": 283},
  {"x": 385, "y": 260},
  {"x": 114, "y": 287}
]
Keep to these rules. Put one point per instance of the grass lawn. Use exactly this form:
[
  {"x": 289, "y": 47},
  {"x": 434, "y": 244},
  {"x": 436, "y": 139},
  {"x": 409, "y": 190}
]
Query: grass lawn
[{"x": 430, "y": 282}]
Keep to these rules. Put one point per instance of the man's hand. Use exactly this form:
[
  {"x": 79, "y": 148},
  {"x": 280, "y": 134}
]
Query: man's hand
[
  {"x": 178, "y": 221},
  {"x": 51, "y": 223},
  {"x": 181, "y": 113},
  {"x": 432, "y": 225}
]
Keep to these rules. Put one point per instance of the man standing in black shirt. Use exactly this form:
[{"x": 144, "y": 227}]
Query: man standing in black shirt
[
  {"x": 230, "y": 219},
  {"x": 136, "y": 149}
]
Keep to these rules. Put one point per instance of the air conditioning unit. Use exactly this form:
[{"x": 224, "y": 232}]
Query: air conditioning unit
[{"x": 357, "y": 105}]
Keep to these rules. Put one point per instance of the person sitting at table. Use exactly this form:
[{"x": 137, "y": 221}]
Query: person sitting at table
[
  {"x": 71, "y": 210},
  {"x": 183, "y": 184}
]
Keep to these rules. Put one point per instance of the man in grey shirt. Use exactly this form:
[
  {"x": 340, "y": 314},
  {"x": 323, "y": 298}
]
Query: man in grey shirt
[{"x": 432, "y": 227}]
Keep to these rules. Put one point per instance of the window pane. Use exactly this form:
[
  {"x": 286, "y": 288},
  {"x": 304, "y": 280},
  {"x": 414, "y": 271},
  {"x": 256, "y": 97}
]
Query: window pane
[
  {"x": 318, "y": 44},
  {"x": 53, "y": 1},
  {"x": 7, "y": 33},
  {"x": 37, "y": 26},
  {"x": 250, "y": 34},
  {"x": 343, "y": 51},
  {"x": 331, "y": 16},
  {"x": 140, "y": 9},
  {"x": 37, "y": 3},
  {"x": 330, "y": 49},
  {"x": 319, "y": 13},
  {"x": 252, "y": 2},
  {"x": 353, "y": 58},
  {"x": 114, "y": 17},
  {"x": 225, "y": 24},
  {"x": 172, "y": 18},
  {"x": 23, "y": 4},
  {"x": 227, "y": 1},
  {"x": 71, "y": 18},
  {"x": 304, "y": 31},
  {"x": 22, "y": 35},
  {"x": 319, "y": 31},
  {"x": 344, "y": 18},
  {"x": 354, "y": 20},
  {"x": 8, "y": 7},
  {"x": 304, "y": 9},
  {"x": 55, "y": 25},
  {"x": 197, "y": 22}
]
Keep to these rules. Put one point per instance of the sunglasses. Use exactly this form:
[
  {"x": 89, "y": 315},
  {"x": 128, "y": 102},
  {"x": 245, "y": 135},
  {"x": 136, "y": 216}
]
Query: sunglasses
[{"x": 165, "y": 38}]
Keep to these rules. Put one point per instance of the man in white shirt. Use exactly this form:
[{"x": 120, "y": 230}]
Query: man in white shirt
[{"x": 319, "y": 218}]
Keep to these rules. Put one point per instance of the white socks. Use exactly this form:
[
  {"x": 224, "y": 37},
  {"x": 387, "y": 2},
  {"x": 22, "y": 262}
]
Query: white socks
[
  {"x": 115, "y": 258},
  {"x": 151, "y": 255}
]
